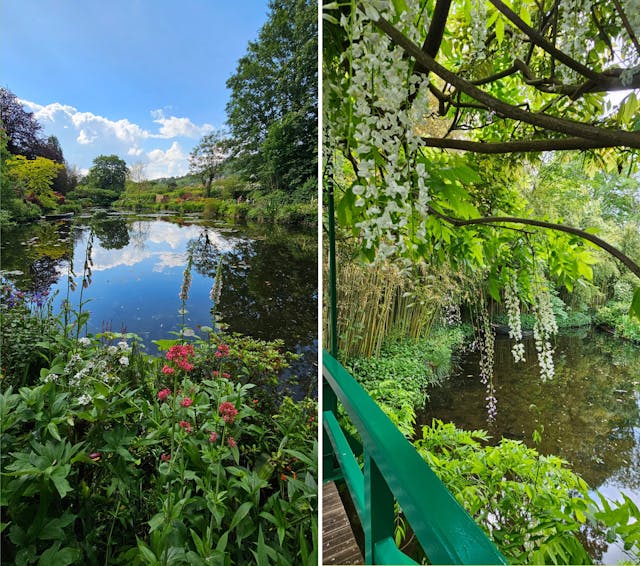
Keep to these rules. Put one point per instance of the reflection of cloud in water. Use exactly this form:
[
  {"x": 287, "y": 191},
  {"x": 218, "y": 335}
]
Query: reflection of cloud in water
[
  {"x": 161, "y": 234},
  {"x": 169, "y": 260}
]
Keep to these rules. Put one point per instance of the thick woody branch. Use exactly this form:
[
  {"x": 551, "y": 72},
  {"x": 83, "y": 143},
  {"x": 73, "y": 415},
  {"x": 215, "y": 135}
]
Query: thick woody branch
[
  {"x": 560, "y": 125},
  {"x": 492, "y": 220},
  {"x": 520, "y": 146},
  {"x": 627, "y": 25}
]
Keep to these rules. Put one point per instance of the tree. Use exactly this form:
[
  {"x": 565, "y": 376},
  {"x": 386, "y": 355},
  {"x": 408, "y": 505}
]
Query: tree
[
  {"x": 409, "y": 79},
  {"x": 273, "y": 102},
  {"x": 22, "y": 128},
  {"x": 207, "y": 158},
  {"x": 33, "y": 178},
  {"x": 108, "y": 173}
]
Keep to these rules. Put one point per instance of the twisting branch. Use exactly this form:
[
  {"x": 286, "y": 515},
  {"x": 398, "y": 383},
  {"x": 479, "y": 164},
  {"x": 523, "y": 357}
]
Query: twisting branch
[
  {"x": 615, "y": 252},
  {"x": 560, "y": 125},
  {"x": 539, "y": 40}
]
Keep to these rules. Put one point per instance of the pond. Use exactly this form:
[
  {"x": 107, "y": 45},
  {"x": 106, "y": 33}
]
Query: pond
[
  {"x": 590, "y": 410},
  {"x": 269, "y": 276}
]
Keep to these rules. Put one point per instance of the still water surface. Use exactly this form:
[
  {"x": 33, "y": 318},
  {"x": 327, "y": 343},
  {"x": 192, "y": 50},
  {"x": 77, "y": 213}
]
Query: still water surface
[
  {"x": 269, "y": 276},
  {"x": 590, "y": 410}
]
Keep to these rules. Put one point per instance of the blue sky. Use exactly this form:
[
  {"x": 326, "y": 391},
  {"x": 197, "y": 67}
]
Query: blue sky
[{"x": 143, "y": 79}]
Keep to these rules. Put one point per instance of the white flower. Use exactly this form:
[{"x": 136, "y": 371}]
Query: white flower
[
  {"x": 84, "y": 399},
  {"x": 84, "y": 342},
  {"x": 123, "y": 346},
  {"x": 124, "y": 361},
  {"x": 112, "y": 349}
]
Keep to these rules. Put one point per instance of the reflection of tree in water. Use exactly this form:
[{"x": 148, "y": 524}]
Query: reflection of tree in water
[
  {"x": 268, "y": 289},
  {"x": 112, "y": 233},
  {"x": 38, "y": 251},
  {"x": 589, "y": 410}
]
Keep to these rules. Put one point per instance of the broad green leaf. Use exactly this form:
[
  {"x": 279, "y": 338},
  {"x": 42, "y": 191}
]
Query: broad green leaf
[{"x": 241, "y": 513}]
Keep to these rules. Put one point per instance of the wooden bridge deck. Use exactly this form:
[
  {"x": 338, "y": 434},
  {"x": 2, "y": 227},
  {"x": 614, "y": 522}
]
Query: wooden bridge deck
[{"x": 338, "y": 542}]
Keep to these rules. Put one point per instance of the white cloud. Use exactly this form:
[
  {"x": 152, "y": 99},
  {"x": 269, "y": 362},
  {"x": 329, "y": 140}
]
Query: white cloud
[
  {"x": 173, "y": 127},
  {"x": 85, "y": 135},
  {"x": 169, "y": 163}
]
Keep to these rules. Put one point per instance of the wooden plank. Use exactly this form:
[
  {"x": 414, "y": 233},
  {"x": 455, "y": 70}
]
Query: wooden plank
[{"x": 338, "y": 542}]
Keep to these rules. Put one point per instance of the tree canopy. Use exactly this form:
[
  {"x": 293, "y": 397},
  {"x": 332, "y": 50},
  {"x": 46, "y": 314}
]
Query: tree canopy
[
  {"x": 273, "y": 110},
  {"x": 207, "y": 158},
  {"x": 108, "y": 173},
  {"x": 416, "y": 91}
]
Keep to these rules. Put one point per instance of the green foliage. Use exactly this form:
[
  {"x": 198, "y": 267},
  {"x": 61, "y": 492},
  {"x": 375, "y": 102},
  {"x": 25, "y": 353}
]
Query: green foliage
[
  {"x": 272, "y": 111},
  {"x": 533, "y": 506},
  {"x": 207, "y": 158},
  {"x": 399, "y": 377},
  {"x": 108, "y": 173},
  {"x": 109, "y": 456}
]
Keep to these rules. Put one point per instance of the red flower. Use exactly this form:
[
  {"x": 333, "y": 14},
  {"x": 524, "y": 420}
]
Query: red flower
[
  {"x": 168, "y": 370},
  {"x": 163, "y": 394},
  {"x": 232, "y": 442},
  {"x": 222, "y": 351},
  {"x": 213, "y": 437},
  {"x": 165, "y": 457},
  {"x": 184, "y": 364},
  {"x": 228, "y": 412},
  {"x": 186, "y": 402},
  {"x": 255, "y": 401},
  {"x": 216, "y": 373},
  {"x": 226, "y": 375},
  {"x": 283, "y": 477},
  {"x": 186, "y": 426}
]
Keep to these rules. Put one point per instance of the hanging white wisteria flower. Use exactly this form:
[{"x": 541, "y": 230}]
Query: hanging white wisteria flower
[
  {"x": 487, "y": 355},
  {"x": 544, "y": 327},
  {"x": 512, "y": 304}
]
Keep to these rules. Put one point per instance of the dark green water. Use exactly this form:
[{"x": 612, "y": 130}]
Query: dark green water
[
  {"x": 590, "y": 410},
  {"x": 269, "y": 275}
]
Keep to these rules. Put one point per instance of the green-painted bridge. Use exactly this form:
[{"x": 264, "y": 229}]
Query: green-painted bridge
[{"x": 382, "y": 468}]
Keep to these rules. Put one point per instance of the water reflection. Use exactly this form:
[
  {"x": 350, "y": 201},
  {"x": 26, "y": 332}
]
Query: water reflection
[
  {"x": 269, "y": 275},
  {"x": 590, "y": 410}
]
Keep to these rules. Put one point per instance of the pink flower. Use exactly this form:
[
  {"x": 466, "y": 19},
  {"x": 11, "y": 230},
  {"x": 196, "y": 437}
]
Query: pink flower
[
  {"x": 95, "y": 456},
  {"x": 232, "y": 442},
  {"x": 185, "y": 365},
  {"x": 222, "y": 351},
  {"x": 226, "y": 375},
  {"x": 163, "y": 394},
  {"x": 186, "y": 402},
  {"x": 228, "y": 412},
  {"x": 165, "y": 457},
  {"x": 215, "y": 373},
  {"x": 168, "y": 370},
  {"x": 186, "y": 426},
  {"x": 213, "y": 437}
]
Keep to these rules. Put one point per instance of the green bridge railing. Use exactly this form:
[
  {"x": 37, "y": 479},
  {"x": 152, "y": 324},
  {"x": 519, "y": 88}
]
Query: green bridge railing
[{"x": 393, "y": 471}]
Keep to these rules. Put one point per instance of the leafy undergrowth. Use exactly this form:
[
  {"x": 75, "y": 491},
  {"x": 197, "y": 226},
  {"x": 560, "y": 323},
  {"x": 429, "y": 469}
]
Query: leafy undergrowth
[{"x": 111, "y": 456}]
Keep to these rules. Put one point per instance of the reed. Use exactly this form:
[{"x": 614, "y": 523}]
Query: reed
[{"x": 379, "y": 301}]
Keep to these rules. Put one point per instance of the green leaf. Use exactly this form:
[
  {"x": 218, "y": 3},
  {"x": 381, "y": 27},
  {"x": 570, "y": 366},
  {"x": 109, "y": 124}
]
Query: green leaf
[
  {"x": 156, "y": 521},
  {"x": 241, "y": 513},
  {"x": 500, "y": 30},
  {"x": 634, "y": 309},
  {"x": 53, "y": 431},
  {"x": 147, "y": 554}
]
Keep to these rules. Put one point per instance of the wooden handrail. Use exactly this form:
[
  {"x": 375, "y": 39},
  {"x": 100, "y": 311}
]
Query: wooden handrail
[{"x": 394, "y": 471}]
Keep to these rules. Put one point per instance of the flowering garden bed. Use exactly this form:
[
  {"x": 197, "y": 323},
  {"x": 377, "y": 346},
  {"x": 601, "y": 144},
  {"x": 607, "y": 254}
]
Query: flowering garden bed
[{"x": 112, "y": 456}]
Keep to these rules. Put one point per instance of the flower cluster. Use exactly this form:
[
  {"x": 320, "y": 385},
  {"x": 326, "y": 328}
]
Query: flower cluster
[
  {"x": 544, "y": 327},
  {"x": 222, "y": 351},
  {"x": 180, "y": 356},
  {"x": 163, "y": 394},
  {"x": 228, "y": 412},
  {"x": 512, "y": 302},
  {"x": 487, "y": 352}
]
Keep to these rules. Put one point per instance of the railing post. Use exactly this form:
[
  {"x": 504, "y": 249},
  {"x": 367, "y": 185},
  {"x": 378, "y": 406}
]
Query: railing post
[
  {"x": 379, "y": 509},
  {"x": 330, "y": 470}
]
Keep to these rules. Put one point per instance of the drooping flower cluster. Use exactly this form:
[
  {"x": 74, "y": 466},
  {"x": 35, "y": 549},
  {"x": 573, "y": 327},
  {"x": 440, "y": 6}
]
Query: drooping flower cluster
[
  {"x": 487, "y": 352},
  {"x": 385, "y": 104},
  {"x": 544, "y": 328},
  {"x": 512, "y": 303},
  {"x": 228, "y": 412}
]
